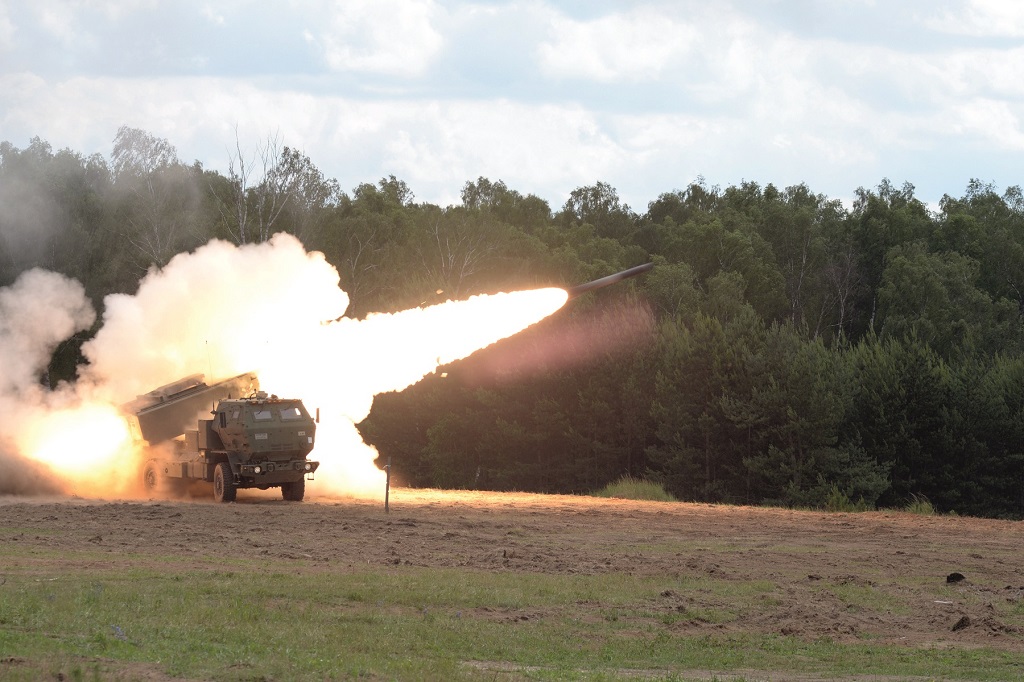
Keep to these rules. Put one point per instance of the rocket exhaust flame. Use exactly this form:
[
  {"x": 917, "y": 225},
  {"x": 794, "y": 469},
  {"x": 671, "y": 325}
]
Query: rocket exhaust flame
[{"x": 225, "y": 310}]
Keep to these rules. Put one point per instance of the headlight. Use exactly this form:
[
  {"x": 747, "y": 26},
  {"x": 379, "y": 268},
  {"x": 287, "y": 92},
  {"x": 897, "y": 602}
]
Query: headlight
[
  {"x": 308, "y": 466},
  {"x": 257, "y": 470}
]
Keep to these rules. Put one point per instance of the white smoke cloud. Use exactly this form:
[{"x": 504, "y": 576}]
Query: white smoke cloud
[
  {"x": 37, "y": 312},
  {"x": 220, "y": 311}
]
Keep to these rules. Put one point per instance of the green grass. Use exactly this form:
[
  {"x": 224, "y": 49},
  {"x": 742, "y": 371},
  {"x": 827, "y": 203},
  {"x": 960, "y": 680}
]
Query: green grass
[
  {"x": 289, "y": 620},
  {"x": 631, "y": 488},
  {"x": 863, "y": 598}
]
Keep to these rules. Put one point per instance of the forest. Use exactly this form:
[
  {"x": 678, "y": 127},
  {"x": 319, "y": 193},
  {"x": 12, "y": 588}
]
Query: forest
[{"x": 785, "y": 349}]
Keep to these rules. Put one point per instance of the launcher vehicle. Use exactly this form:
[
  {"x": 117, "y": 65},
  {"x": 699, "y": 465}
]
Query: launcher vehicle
[{"x": 252, "y": 441}]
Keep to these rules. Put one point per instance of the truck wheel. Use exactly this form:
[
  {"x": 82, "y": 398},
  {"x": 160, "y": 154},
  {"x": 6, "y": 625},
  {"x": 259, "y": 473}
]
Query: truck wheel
[
  {"x": 224, "y": 483},
  {"x": 150, "y": 478},
  {"x": 294, "y": 491}
]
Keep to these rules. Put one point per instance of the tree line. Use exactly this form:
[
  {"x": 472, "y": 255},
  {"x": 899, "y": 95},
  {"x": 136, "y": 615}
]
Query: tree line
[{"x": 786, "y": 349}]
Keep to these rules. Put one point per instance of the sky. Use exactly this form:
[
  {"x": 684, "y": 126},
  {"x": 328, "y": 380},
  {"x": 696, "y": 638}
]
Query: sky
[{"x": 546, "y": 96}]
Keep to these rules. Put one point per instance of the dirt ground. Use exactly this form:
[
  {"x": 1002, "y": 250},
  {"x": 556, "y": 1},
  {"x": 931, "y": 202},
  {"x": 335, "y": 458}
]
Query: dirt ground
[{"x": 808, "y": 557}]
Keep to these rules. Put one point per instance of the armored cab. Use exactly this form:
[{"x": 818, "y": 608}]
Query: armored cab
[
  {"x": 265, "y": 441},
  {"x": 252, "y": 441}
]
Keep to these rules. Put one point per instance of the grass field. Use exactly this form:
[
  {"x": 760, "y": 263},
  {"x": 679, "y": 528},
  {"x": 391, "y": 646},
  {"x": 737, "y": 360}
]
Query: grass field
[
  {"x": 71, "y": 608},
  {"x": 236, "y": 624}
]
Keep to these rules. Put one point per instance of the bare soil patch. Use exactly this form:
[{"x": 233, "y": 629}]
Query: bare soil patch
[{"x": 872, "y": 577}]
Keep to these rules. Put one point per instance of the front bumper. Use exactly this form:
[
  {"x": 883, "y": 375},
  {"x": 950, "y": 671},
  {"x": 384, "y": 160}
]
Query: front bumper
[{"x": 260, "y": 473}]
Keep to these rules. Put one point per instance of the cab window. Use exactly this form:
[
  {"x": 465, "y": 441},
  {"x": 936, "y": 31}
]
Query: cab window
[{"x": 290, "y": 413}]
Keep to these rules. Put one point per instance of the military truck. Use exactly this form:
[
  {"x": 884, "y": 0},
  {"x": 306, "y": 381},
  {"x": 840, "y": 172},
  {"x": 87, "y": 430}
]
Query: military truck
[{"x": 253, "y": 440}]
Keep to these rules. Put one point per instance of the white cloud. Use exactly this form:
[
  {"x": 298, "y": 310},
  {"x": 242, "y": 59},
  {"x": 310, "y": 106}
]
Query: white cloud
[
  {"x": 992, "y": 18},
  {"x": 73, "y": 26},
  {"x": 64, "y": 17},
  {"x": 62, "y": 24},
  {"x": 990, "y": 119},
  {"x": 528, "y": 146},
  {"x": 790, "y": 128},
  {"x": 434, "y": 146},
  {"x": 212, "y": 15},
  {"x": 390, "y": 37},
  {"x": 6, "y": 30},
  {"x": 989, "y": 71},
  {"x": 640, "y": 44},
  {"x": 644, "y": 96},
  {"x": 112, "y": 9},
  {"x": 649, "y": 133}
]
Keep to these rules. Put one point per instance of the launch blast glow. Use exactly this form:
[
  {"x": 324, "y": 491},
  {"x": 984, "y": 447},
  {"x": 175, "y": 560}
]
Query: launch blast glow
[{"x": 223, "y": 310}]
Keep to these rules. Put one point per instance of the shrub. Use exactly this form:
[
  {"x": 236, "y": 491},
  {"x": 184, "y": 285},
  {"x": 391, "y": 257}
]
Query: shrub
[
  {"x": 838, "y": 501},
  {"x": 631, "y": 488},
  {"x": 919, "y": 504}
]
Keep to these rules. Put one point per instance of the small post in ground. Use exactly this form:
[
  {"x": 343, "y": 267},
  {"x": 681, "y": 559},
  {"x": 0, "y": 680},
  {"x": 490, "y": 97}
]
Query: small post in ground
[{"x": 387, "y": 485}]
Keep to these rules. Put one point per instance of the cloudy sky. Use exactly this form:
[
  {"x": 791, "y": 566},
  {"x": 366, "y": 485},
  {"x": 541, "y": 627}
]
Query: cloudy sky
[{"x": 545, "y": 95}]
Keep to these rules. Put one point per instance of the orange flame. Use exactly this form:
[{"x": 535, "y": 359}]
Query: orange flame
[{"x": 85, "y": 446}]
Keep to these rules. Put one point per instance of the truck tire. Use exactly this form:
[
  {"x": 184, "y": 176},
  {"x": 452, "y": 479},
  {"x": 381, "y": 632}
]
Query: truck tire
[
  {"x": 150, "y": 478},
  {"x": 294, "y": 491},
  {"x": 224, "y": 483}
]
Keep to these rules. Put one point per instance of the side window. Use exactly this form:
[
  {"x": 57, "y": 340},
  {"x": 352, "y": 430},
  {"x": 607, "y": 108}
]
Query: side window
[
  {"x": 223, "y": 419},
  {"x": 290, "y": 413},
  {"x": 262, "y": 415}
]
